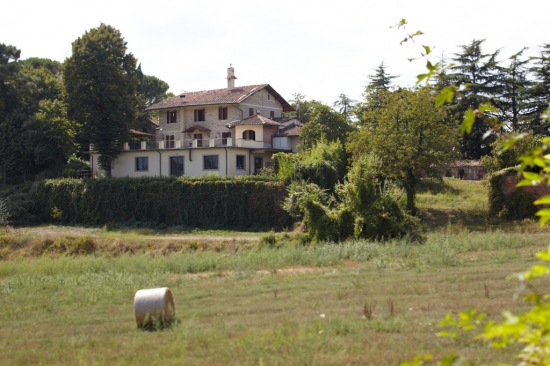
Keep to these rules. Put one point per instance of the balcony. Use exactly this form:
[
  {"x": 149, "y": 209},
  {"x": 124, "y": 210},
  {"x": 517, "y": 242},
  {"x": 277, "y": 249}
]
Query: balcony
[{"x": 191, "y": 143}]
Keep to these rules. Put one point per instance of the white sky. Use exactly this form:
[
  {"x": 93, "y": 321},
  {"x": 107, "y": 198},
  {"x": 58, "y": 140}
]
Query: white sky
[{"x": 317, "y": 48}]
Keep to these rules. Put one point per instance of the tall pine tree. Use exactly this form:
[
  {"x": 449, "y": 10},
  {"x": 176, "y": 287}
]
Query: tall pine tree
[
  {"x": 541, "y": 89},
  {"x": 477, "y": 72}
]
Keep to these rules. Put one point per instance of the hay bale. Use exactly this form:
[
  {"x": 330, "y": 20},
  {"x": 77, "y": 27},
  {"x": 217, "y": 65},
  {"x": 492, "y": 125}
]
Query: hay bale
[{"x": 154, "y": 305}]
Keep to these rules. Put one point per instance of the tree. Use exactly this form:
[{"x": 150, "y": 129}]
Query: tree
[
  {"x": 477, "y": 73},
  {"x": 513, "y": 94},
  {"x": 410, "y": 135},
  {"x": 541, "y": 89},
  {"x": 101, "y": 84},
  {"x": 381, "y": 80},
  {"x": 303, "y": 107},
  {"x": 344, "y": 104},
  {"x": 151, "y": 90},
  {"x": 325, "y": 124}
]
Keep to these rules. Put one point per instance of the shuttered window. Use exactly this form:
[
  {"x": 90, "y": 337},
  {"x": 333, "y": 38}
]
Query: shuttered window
[
  {"x": 171, "y": 117},
  {"x": 222, "y": 113},
  {"x": 199, "y": 115}
]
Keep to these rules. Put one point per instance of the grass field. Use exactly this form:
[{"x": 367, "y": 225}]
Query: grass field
[{"x": 243, "y": 300}]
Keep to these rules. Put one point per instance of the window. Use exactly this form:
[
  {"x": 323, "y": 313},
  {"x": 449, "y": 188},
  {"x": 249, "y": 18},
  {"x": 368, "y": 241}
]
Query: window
[
  {"x": 142, "y": 164},
  {"x": 210, "y": 162},
  {"x": 170, "y": 141},
  {"x": 171, "y": 117},
  {"x": 176, "y": 166},
  {"x": 200, "y": 115},
  {"x": 249, "y": 135},
  {"x": 222, "y": 113},
  {"x": 198, "y": 137},
  {"x": 240, "y": 162},
  {"x": 269, "y": 97},
  {"x": 250, "y": 112},
  {"x": 272, "y": 114},
  {"x": 225, "y": 136}
]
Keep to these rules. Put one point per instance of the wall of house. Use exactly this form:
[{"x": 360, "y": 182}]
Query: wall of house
[
  {"x": 294, "y": 142},
  {"x": 268, "y": 132},
  {"x": 259, "y": 101},
  {"x": 159, "y": 164}
]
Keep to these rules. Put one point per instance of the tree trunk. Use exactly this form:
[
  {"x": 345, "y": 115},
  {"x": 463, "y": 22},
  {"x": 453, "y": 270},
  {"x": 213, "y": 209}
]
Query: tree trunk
[{"x": 410, "y": 189}]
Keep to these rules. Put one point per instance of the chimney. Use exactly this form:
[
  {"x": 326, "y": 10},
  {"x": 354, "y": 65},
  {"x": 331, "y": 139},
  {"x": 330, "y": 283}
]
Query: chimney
[
  {"x": 182, "y": 96},
  {"x": 231, "y": 77}
]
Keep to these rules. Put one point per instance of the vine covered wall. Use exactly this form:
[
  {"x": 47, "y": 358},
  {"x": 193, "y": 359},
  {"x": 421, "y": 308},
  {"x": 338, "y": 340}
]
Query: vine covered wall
[
  {"x": 506, "y": 203},
  {"x": 246, "y": 202}
]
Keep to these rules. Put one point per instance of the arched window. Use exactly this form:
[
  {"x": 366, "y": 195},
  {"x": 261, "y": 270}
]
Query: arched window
[{"x": 249, "y": 135}]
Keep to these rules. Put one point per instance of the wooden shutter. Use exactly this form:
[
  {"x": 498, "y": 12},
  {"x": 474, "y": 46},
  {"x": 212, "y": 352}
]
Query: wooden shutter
[
  {"x": 204, "y": 114},
  {"x": 196, "y": 115},
  {"x": 220, "y": 113},
  {"x": 167, "y": 117},
  {"x": 175, "y": 116}
]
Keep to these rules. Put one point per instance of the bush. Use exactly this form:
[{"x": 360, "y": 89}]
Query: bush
[{"x": 362, "y": 207}]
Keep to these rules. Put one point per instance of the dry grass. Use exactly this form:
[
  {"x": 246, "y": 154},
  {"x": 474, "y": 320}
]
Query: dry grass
[{"x": 81, "y": 313}]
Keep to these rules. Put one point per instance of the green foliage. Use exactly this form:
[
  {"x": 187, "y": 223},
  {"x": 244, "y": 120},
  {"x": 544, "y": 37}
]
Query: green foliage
[
  {"x": 101, "y": 84},
  {"x": 238, "y": 202},
  {"x": 362, "y": 207},
  {"x": 501, "y": 158},
  {"x": 303, "y": 108},
  {"x": 409, "y": 134},
  {"x": 323, "y": 164},
  {"x": 325, "y": 124}
]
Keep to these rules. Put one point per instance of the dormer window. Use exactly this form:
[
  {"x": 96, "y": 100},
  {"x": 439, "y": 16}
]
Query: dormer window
[{"x": 171, "y": 117}]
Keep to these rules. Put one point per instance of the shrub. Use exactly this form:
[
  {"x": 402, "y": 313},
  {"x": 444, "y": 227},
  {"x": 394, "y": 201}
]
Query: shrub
[{"x": 362, "y": 207}]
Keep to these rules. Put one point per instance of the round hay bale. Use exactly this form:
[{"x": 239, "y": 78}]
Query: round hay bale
[{"x": 154, "y": 305}]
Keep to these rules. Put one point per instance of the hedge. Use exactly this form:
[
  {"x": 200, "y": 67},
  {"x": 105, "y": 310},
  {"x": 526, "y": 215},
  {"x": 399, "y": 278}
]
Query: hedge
[{"x": 204, "y": 203}]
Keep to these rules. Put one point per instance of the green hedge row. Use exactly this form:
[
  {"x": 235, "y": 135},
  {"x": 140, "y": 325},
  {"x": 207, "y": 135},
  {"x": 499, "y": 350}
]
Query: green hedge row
[{"x": 207, "y": 203}]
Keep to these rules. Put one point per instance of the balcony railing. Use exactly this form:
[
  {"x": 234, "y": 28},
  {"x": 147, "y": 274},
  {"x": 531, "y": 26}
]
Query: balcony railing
[{"x": 191, "y": 143}]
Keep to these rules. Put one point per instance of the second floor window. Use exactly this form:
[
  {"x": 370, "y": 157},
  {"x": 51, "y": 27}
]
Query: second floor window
[
  {"x": 170, "y": 141},
  {"x": 171, "y": 116},
  {"x": 272, "y": 114},
  {"x": 250, "y": 112},
  {"x": 200, "y": 115},
  {"x": 222, "y": 113}
]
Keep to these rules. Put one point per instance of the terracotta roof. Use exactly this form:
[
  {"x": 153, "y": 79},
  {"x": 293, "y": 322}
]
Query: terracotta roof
[
  {"x": 291, "y": 130},
  {"x": 218, "y": 96},
  {"x": 197, "y": 127},
  {"x": 155, "y": 122},
  {"x": 253, "y": 120}
]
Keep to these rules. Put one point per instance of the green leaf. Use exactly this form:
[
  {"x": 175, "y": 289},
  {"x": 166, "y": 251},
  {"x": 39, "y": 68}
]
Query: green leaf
[
  {"x": 446, "y": 95},
  {"x": 427, "y": 49},
  {"x": 544, "y": 200},
  {"x": 532, "y": 176},
  {"x": 468, "y": 122}
]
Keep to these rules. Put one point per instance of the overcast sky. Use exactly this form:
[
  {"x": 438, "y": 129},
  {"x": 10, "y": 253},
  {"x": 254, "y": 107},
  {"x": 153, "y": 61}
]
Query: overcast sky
[{"x": 317, "y": 48}]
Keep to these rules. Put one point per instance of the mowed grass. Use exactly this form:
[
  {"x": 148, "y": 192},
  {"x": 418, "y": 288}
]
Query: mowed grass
[{"x": 241, "y": 300}]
